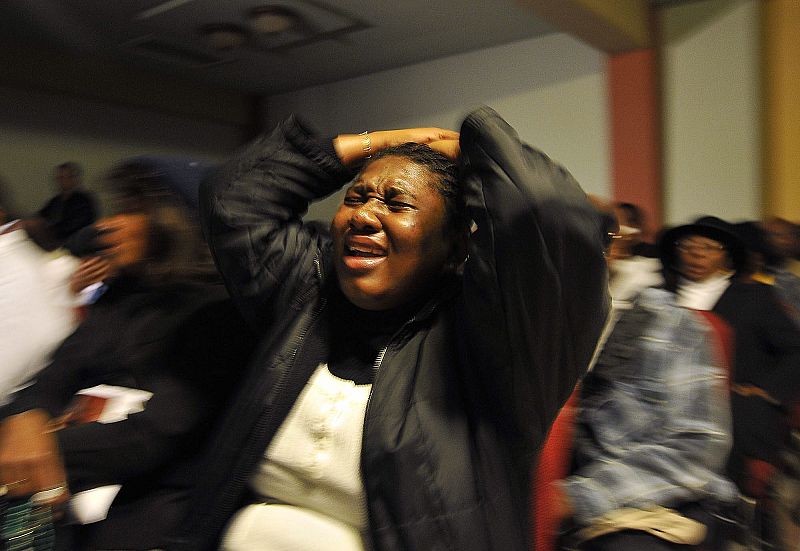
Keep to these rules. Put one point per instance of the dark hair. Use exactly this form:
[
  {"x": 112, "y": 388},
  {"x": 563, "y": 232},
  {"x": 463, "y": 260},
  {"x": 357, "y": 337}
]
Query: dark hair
[
  {"x": 176, "y": 250},
  {"x": 445, "y": 172}
]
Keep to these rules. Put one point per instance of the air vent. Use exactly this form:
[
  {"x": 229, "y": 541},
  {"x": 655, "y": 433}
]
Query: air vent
[{"x": 173, "y": 53}]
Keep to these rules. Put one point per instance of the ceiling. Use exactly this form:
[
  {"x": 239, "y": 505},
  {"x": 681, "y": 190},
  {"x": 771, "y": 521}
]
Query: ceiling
[{"x": 335, "y": 39}]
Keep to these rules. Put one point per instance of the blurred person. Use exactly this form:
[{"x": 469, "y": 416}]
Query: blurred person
[
  {"x": 633, "y": 216},
  {"x": 40, "y": 294},
  {"x": 769, "y": 268},
  {"x": 163, "y": 339},
  {"x": 784, "y": 237},
  {"x": 411, "y": 368},
  {"x": 652, "y": 436},
  {"x": 37, "y": 306},
  {"x": 630, "y": 271},
  {"x": 759, "y": 252},
  {"x": 765, "y": 266},
  {"x": 703, "y": 263},
  {"x": 71, "y": 209}
]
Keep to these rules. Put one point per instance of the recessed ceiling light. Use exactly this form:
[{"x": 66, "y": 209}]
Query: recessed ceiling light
[
  {"x": 224, "y": 36},
  {"x": 273, "y": 19}
]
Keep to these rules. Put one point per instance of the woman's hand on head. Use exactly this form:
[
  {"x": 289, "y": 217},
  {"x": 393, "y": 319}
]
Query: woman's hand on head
[
  {"x": 30, "y": 460},
  {"x": 389, "y": 138},
  {"x": 354, "y": 147},
  {"x": 450, "y": 148}
]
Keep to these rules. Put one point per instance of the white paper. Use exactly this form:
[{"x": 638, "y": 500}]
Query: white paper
[
  {"x": 121, "y": 401},
  {"x": 93, "y": 505}
]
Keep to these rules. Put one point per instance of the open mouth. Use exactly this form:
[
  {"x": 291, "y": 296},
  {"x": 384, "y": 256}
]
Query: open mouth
[
  {"x": 694, "y": 271},
  {"x": 365, "y": 251},
  {"x": 362, "y": 255}
]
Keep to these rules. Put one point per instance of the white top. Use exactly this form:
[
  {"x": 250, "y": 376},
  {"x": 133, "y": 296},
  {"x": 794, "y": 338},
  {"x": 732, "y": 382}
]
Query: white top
[
  {"x": 630, "y": 276},
  {"x": 36, "y": 308},
  {"x": 702, "y": 295},
  {"x": 312, "y": 468}
]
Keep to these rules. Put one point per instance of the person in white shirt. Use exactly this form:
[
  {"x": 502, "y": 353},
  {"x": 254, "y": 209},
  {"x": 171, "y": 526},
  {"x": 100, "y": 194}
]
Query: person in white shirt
[
  {"x": 37, "y": 305},
  {"x": 629, "y": 271}
]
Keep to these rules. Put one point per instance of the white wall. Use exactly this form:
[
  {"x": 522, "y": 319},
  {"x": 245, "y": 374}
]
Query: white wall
[
  {"x": 551, "y": 89},
  {"x": 711, "y": 82},
  {"x": 39, "y": 131}
]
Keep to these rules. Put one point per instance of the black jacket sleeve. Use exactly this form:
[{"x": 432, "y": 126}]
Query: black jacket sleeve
[
  {"x": 184, "y": 348},
  {"x": 535, "y": 296},
  {"x": 252, "y": 212},
  {"x": 779, "y": 336}
]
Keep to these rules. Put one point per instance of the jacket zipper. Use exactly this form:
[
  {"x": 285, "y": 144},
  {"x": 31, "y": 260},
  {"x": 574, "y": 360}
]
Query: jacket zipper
[
  {"x": 376, "y": 371},
  {"x": 228, "y": 498}
]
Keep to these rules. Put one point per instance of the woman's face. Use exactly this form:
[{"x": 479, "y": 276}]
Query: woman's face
[
  {"x": 701, "y": 257},
  {"x": 125, "y": 238},
  {"x": 390, "y": 237}
]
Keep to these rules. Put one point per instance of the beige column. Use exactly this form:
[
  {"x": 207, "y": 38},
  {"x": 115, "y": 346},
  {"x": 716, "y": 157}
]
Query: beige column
[{"x": 781, "y": 92}]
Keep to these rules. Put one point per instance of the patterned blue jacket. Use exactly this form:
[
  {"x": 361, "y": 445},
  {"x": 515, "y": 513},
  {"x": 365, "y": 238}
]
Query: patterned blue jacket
[{"x": 654, "y": 426}]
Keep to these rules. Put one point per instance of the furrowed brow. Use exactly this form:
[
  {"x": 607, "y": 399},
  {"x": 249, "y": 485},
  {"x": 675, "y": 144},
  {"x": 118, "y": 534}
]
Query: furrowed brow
[
  {"x": 398, "y": 188},
  {"x": 358, "y": 186}
]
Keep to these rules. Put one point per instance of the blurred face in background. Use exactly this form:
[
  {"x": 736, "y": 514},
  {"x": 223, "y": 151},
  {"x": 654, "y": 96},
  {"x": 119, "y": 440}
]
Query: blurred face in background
[
  {"x": 125, "y": 238},
  {"x": 701, "y": 257},
  {"x": 782, "y": 236},
  {"x": 67, "y": 178}
]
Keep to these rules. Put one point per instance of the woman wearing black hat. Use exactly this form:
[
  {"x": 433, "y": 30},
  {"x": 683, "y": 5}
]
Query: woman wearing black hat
[
  {"x": 156, "y": 335},
  {"x": 703, "y": 264}
]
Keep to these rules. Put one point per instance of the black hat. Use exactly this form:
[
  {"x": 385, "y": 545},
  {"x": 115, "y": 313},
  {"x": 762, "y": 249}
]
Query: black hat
[{"x": 706, "y": 226}]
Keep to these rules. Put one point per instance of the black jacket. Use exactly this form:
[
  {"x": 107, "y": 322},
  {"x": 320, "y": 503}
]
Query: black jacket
[
  {"x": 767, "y": 341},
  {"x": 466, "y": 390},
  {"x": 182, "y": 342},
  {"x": 766, "y": 355},
  {"x": 65, "y": 216}
]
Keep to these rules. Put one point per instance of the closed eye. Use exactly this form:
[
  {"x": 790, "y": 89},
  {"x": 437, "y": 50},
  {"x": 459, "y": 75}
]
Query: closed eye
[
  {"x": 397, "y": 199},
  {"x": 399, "y": 205},
  {"x": 352, "y": 200}
]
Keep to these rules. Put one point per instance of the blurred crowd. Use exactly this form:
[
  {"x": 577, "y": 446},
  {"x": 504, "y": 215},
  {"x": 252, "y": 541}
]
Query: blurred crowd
[
  {"x": 119, "y": 347},
  {"x": 678, "y": 406}
]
